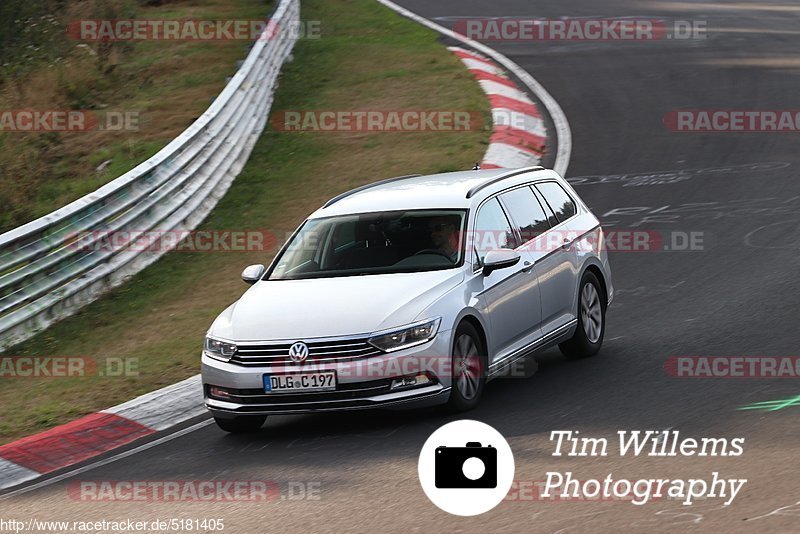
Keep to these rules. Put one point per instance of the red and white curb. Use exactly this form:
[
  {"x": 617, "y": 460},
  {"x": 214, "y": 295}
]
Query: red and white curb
[
  {"x": 98, "y": 433},
  {"x": 519, "y": 136},
  {"x": 563, "y": 134}
]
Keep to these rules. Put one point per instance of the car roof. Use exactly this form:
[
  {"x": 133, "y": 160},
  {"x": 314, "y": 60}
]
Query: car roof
[{"x": 445, "y": 190}]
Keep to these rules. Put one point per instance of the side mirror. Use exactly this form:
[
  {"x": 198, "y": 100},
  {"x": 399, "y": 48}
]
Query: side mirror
[
  {"x": 253, "y": 273},
  {"x": 499, "y": 259}
]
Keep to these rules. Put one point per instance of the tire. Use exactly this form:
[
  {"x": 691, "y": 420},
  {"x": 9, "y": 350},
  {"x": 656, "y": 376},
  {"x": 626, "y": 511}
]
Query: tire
[
  {"x": 241, "y": 424},
  {"x": 469, "y": 369},
  {"x": 591, "y": 329}
]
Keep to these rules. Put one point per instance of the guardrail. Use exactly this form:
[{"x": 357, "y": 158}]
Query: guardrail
[{"x": 44, "y": 279}]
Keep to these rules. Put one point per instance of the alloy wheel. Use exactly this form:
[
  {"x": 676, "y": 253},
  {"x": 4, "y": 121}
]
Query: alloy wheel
[
  {"x": 467, "y": 367},
  {"x": 591, "y": 313}
]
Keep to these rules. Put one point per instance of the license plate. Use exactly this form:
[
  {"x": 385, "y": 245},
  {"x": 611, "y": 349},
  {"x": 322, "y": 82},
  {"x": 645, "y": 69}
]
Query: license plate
[{"x": 285, "y": 383}]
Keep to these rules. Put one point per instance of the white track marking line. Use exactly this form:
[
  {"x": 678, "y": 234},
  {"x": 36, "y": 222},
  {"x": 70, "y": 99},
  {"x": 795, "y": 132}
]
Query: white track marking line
[
  {"x": 12, "y": 474},
  {"x": 106, "y": 461},
  {"x": 560, "y": 122}
]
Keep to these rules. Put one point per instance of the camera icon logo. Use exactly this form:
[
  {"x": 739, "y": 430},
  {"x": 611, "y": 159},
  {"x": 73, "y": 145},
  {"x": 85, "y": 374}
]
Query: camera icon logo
[
  {"x": 466, "y": 467},
  {"x": 472, "y": 466}
]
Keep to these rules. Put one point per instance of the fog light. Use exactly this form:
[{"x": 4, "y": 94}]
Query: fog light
[
  {"x": 214, "y": 391},
  {"x": 410, "y": 381}
]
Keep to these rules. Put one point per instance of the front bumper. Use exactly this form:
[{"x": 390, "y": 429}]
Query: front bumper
[{"x": 361, "y": 384}]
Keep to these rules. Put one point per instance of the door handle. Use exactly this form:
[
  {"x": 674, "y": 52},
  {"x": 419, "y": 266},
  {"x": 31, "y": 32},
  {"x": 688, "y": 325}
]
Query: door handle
[
  {"x": 526, "y": 266},
  {"x": 567, "y": 244}
]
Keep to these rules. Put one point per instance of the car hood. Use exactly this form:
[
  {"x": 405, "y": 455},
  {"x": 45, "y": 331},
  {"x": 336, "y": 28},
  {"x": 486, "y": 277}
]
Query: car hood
[{"x": 330, "y": 307}]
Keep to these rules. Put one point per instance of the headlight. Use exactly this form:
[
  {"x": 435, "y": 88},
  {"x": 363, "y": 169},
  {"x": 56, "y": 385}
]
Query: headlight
[
  {"x": 219, "y": 350},
  {"x": 408, "y": 336}
]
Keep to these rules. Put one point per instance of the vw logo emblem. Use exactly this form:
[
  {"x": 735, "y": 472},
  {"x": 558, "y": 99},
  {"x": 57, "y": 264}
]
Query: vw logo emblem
[{"x": 298, "y": 352}]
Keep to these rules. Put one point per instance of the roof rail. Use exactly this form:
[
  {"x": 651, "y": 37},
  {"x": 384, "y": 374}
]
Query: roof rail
[
  {"x": 493, "y": 181},
  {"x": 337, "y": 198}
]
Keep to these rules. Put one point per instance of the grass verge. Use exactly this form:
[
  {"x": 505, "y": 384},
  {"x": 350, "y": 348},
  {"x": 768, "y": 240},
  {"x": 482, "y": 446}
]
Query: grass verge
[
  {"x": 166, "y": 85},
  {"x": 367, "y": 58}
]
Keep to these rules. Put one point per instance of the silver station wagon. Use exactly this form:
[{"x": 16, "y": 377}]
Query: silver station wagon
[{"x": 410, "y": 292}]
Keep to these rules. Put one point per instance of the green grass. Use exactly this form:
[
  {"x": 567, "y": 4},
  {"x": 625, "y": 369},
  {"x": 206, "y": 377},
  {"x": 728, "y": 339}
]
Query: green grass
[
  {"x": 367, "y": 58},
  {"x": 168, "y": 83}
]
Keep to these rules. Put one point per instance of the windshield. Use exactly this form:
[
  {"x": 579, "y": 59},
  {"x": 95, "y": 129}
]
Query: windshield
[{"x": 373, "y": 243}]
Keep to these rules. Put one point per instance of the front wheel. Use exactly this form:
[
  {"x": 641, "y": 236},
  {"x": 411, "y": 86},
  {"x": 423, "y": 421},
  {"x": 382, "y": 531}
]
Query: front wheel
[
  {"x": 588, "y": 337},
  {"x": 241, "y": 423},
  {"x": 469, "y": 369}
]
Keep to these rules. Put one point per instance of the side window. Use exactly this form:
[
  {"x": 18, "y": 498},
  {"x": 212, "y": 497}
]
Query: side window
[
  {"x": 551, "y": 217},
  {"x": 558, "y": 199},
  {"x": 492, "y": 230},
  {"x": 526, "y": 212}
]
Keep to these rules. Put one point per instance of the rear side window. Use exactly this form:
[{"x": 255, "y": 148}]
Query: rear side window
[
  {"x": 551, "y": 217},
  {"x": 526, "y": 212},
  {"x": 492, "y": 229},
  {"x": 558, "y": 199}
]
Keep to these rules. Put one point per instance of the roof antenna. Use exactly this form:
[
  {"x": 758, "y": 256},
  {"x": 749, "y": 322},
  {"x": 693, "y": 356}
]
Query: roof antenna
[{"x": 477, "y": 166}]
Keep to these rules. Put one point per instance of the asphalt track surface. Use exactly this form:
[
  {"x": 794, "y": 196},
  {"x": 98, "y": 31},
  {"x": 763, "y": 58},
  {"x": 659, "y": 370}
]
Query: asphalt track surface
[{"x": 738, "y": 296}]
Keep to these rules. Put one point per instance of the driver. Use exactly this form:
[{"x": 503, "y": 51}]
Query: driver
[{"x": 444, "y": 236}]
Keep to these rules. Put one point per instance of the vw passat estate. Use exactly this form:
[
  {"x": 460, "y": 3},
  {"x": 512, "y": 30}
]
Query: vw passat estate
[{"x": 412, "y": 291}]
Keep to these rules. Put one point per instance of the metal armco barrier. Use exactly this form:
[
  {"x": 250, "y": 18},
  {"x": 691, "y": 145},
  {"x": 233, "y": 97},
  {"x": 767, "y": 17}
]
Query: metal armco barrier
[{"x": 44, "y": 279}]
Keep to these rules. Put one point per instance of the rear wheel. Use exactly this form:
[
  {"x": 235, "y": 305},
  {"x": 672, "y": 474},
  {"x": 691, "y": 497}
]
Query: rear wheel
[
  {"x": 588, "y": 337},
  {"x": 241, "y": 423},
  {"x": 469, "y": 369}
]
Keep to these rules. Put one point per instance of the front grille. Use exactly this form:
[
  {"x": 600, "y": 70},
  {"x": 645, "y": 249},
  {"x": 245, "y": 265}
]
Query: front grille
[{"x": 318, "y": 352}]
